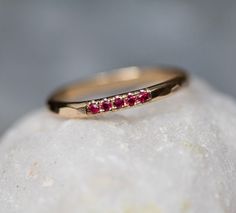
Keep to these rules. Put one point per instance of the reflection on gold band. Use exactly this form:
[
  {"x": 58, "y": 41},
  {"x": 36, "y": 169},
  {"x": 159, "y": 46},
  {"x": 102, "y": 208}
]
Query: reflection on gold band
[{"x": 148, "y": 84}]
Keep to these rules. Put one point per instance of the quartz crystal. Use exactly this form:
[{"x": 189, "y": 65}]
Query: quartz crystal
[{"x": 177, "y": 155}]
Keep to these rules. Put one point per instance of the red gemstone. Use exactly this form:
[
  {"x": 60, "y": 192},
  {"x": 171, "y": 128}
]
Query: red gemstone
[
  {"x": 144, "y": 96},
  {"x": 93, "y": 108},
  {"x": 118, "y": 102},
  {"x": 106, "y": 105},
  {"x": 131, "y": 99}
]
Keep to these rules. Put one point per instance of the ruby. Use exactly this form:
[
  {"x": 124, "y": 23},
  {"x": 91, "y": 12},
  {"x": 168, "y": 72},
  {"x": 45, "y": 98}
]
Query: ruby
[
  {"x": 93, "y": 108},
  {"x": 144, "y": 96},
  {"x": 118, "y": 102},
  {"x": 131, "y": 99},
  {"x": 106, "y": 105}
]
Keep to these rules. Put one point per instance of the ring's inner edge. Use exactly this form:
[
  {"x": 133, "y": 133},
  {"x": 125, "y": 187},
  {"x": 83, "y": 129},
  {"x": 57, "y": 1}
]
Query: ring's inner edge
[{"x": 119, "y": 81}]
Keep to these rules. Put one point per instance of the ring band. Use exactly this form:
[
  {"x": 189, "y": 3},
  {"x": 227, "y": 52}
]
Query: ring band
[{"x": 150, "y": 84}]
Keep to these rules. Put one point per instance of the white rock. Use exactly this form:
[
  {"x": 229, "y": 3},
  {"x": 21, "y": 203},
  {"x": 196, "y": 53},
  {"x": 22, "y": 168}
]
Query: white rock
[{"x": 176, "y": 155}]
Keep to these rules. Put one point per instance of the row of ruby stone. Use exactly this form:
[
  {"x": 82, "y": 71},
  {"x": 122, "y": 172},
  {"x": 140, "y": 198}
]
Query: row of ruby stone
[{"x": 119, "y": 102}]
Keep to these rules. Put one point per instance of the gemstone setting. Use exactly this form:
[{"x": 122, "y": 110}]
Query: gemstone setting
[
  {"x": 93, "y": 108},
  {"x": 119, "y": 101},
  {"x": 131, "y": 99},
  {"x": 143, "y": 96},
  {"x": 106, "y": 105}
]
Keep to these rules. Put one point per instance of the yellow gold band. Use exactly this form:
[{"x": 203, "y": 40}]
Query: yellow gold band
[{"x": 148, "y": 84}]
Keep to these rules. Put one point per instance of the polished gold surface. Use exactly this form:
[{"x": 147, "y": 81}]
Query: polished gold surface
[{"x": 74, "y": 100}]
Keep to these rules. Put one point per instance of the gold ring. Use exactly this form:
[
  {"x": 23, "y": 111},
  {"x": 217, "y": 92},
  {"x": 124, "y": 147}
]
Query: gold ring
[{"x": 148, "y": 84}]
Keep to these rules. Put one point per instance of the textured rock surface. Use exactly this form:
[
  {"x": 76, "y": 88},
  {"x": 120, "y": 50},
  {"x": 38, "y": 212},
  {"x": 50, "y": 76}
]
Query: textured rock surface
[{"x": 174, "y": 156}]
